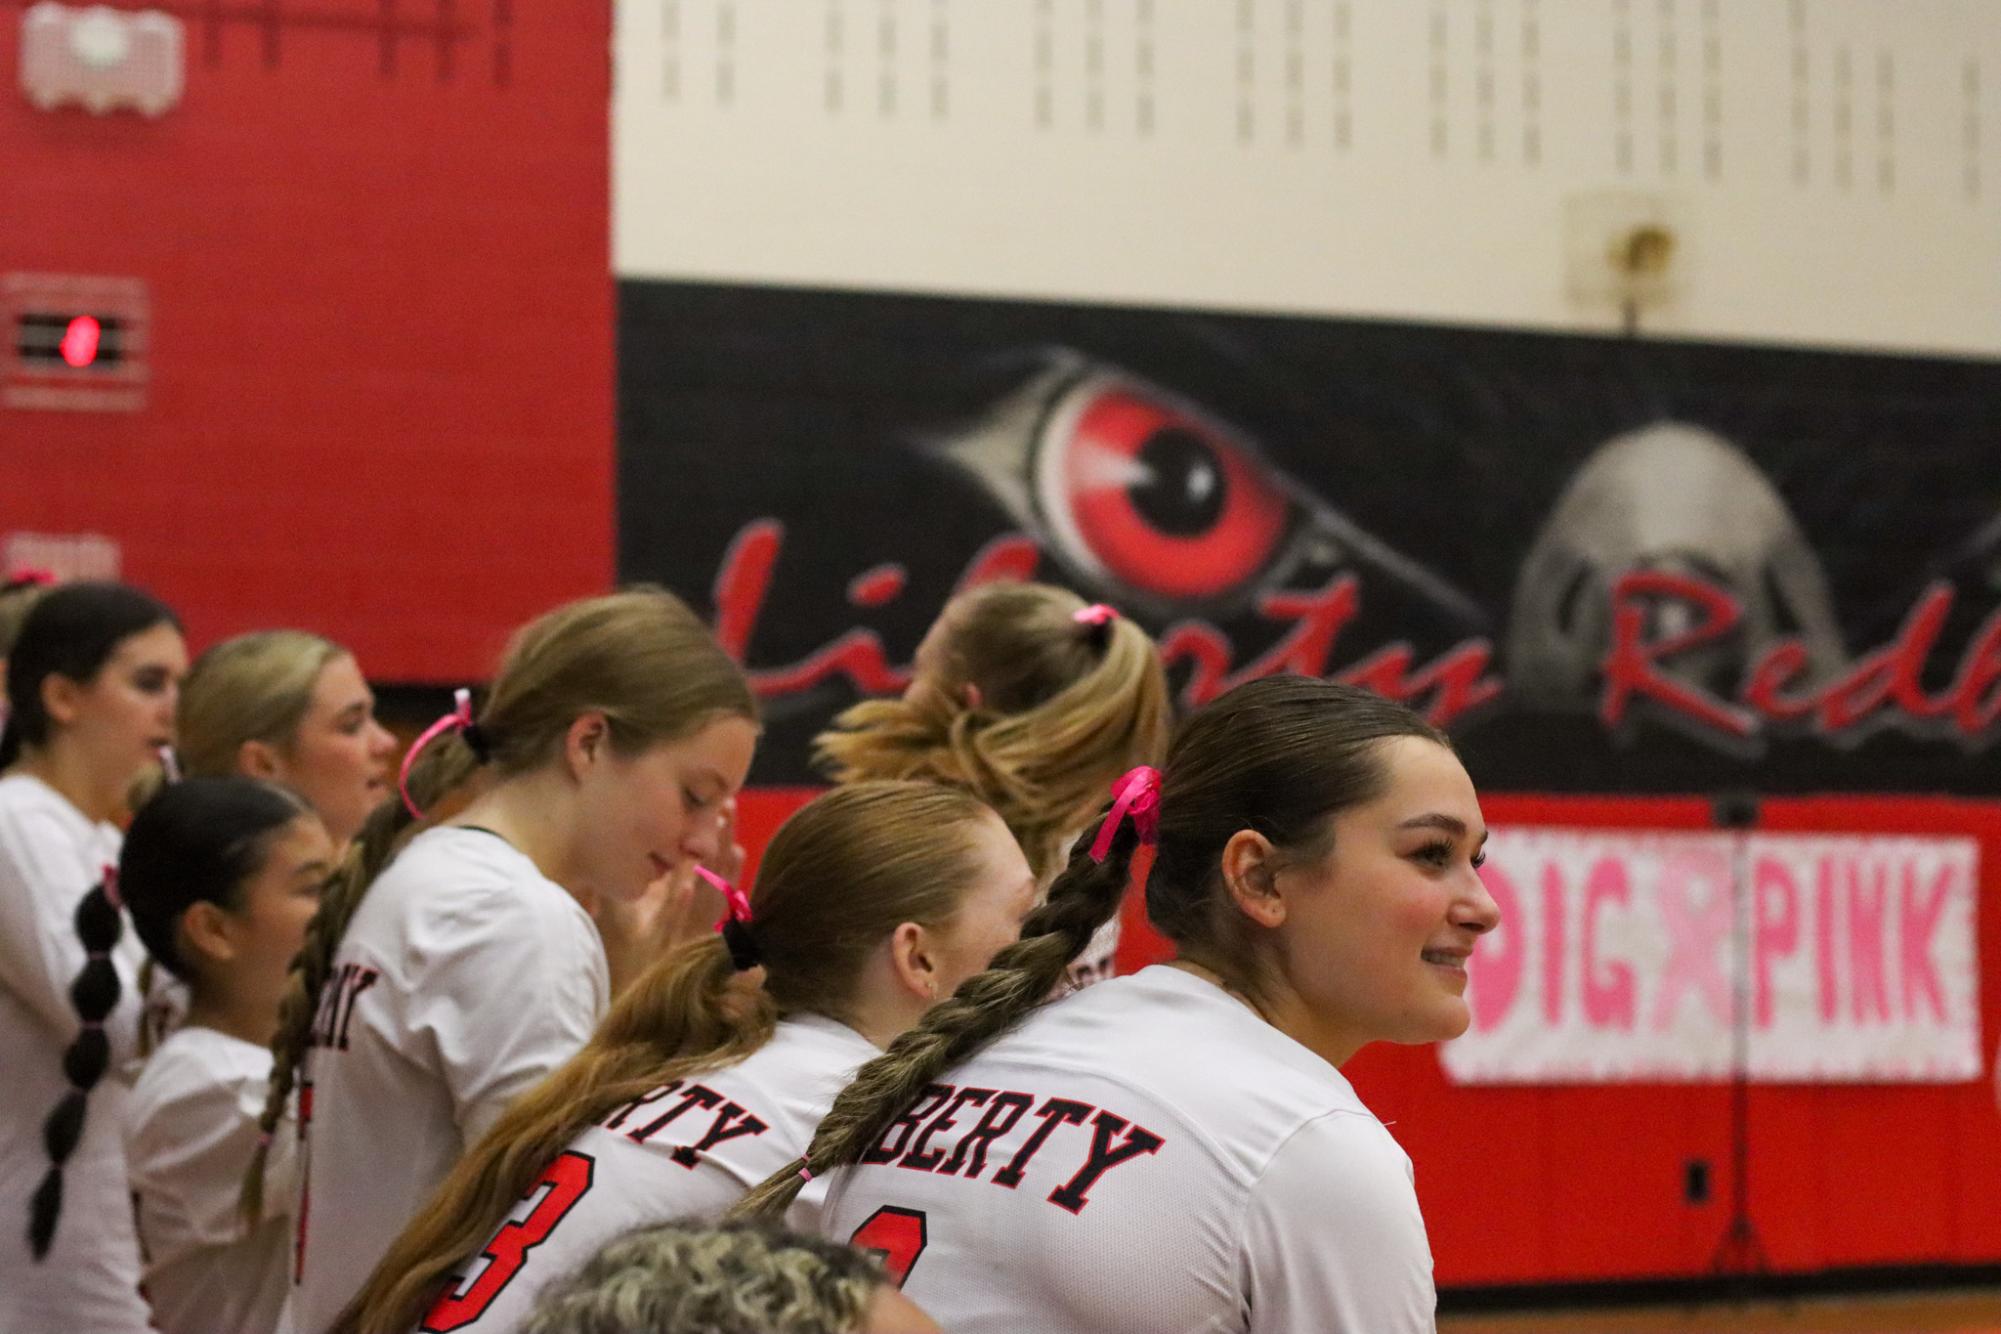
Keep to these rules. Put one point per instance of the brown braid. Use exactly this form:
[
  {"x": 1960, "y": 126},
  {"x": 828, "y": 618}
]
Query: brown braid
[
  {"x": 442, "y": 768},
  {"x": 1083, "y": 898}
]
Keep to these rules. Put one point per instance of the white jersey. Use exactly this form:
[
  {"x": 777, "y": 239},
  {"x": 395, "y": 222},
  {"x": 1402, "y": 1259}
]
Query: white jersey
[
  {"x": 51, "y": 855},
  {"x": 193, "y": 1130},
  {"x": 465, "y": 977},
  {"x": 688, "y": 1149},
  {"x": 1146, "y": 1155}
]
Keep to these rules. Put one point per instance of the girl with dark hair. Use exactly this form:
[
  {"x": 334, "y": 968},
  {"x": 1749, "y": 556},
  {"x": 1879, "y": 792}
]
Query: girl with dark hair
[
  {"x": 91, "y": 686},
  {"x": 872, "y": 902},
  {"x": 220, "y": 876},
  {"x": 452, "y": 964},
  {"x": 1178, "y": 1149}
]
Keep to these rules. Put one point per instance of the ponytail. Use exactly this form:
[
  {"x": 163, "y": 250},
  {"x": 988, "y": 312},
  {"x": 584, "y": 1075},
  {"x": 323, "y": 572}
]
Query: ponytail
[
  {"x": 693, "y": 1010},
  {"x": 1022, "y": 976},
  {"x": 95, "y": 994},
  {"x": 441, "y": 769}
]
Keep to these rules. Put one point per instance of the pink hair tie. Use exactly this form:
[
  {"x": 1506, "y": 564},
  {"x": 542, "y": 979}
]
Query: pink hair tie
[
  {"x": 734, "y": 924},
  {"x": 264, "y": 1139},
  {"x": 805, "y": 1174},
  {"x": 1097, "y": 614},
  {"x": 1137, "y": 794},
  {"x": 34, "y": 576},
  {"x": 458, "y": 720},
  {"x": 111, "y": 891}
]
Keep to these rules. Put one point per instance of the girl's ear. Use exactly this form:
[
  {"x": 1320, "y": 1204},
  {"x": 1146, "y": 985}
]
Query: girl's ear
[
  {"x": 206, "y": 932},
  {"x": 258, "y": 760},
  {"x": 911, "y": 962},
  {"x": 970, "y": 693},
  {"x": 1248, "y": 863},
  {"x": 586, "y": 741}
]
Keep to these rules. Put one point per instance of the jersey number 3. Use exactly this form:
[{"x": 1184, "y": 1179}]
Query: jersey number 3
[
  {"x": 895, "y": 1235},
  {"x": 566, "y": 1180}
]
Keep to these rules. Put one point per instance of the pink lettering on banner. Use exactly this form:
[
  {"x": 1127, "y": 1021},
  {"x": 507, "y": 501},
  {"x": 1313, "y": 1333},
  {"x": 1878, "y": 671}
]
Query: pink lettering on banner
[
  {"x": 1775, "y": 930},
  {"x": 1917, "y": 924},
  {"x": 1494, "y": 972},
  {"x": 1553, "y": 943},
  {"x": 1869, "y": 994},
  {"x": 1697, "y": 937},
  {"x": 1824, "y": 944},
  {"x": 1609, "y": 992},
  {"x": 1616, "y": 959}
]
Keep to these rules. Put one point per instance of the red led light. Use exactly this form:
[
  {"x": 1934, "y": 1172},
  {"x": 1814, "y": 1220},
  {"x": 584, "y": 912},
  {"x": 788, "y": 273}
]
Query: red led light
[{"x": 79, "y": 345}]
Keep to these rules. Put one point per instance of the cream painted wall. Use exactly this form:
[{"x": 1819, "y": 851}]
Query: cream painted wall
[{"x": 1831, "y": 168}]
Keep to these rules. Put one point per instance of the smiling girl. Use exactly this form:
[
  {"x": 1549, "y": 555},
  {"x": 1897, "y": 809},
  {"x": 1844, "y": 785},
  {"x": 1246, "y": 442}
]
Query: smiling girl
[
  {"x": 91, "y": 686},
  {"x": 221, "y": 876},
  {"x": 1178, "y": 1149},
  {"x": 448, "y": 972}
]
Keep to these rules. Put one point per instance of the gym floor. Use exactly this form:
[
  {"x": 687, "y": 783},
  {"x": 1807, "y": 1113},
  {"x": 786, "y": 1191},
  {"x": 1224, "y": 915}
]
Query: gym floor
[{"x": 1961, "y": 1311}]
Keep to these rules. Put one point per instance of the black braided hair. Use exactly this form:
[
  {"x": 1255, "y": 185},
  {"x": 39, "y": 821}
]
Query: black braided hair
[{"x": 95, "y": 992}]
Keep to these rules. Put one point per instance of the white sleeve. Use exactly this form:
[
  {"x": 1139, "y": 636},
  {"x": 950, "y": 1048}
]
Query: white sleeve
[
  {"x": 515, "y": 994},
  {"x": 1333, "y": 1240},
  {"x": 41, "y": 883},
  {"x": 187, "y": 1158}
]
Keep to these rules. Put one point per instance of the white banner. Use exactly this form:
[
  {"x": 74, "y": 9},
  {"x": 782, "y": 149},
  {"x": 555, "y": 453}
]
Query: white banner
[{"x": 1620, "y": 953}]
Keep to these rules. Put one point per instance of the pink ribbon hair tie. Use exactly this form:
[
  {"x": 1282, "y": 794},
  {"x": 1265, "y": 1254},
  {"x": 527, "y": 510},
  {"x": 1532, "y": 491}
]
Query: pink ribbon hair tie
[
  {"x": 1136, "y": 794},
  {"x": 1097, "y": 614},
  {"x": 34, "y": 576},
  {"x": 738, "y": 903},
  {"x": 458, "y": 720}
]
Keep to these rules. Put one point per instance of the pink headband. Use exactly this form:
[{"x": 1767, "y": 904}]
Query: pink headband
[
  {"x": 1097, "y": 614},
  {"x": 458, "y": 720},
  {"x": 1137, "y": 794}
]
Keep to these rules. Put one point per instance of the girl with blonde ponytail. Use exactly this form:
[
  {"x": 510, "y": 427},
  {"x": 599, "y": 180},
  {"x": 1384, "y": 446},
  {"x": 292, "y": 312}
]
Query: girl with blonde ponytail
[
  {"x": 1033, "y": 702},
  {"x": 1178, "y": 1149},
  {"x": 713, "y": 1068},
  {"x": 451, "y": 966}
]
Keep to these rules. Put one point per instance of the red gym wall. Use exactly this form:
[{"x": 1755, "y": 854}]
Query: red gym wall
[
  {"x": 376, "y": 243},
  {"x": 381, "y": 406}
]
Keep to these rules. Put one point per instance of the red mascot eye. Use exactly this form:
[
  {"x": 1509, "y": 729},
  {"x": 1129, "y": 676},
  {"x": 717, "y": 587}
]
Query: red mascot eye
[{"x": 1156, "y": 495}]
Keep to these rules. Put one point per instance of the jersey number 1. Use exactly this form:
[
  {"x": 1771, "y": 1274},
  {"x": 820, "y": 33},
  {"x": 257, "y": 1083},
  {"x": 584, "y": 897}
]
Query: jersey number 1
[
  {"x": 896, "y": 1236},
  {"x": 567, "y": 1179}
]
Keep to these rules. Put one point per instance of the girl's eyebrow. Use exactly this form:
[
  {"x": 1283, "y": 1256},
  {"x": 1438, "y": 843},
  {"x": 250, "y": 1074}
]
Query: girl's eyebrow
[{"x": 1451, "y": 824}]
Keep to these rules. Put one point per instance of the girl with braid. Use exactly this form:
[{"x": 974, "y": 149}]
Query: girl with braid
[
  {"x": 1031, "y": 701},
  {"x": 452, "y": 965},
  {"x": 1178, "y": 1149},
  {"x": 220, "y": 876},
  {"x": 91, "y": 686},
  {"x": 871, "y": 903}
]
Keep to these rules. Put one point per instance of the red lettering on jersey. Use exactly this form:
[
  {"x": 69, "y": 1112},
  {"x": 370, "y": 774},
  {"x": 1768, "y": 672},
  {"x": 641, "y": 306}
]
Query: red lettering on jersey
[
  {"x": 1001, "y": 1116},
  {"x": 1074, "y": 1194},
  {"x": 903, "y": 1127},
  {"x": 924, "y": 1159},
  {"x": 336, "y": 1009},
  {"x": 1055, "y": 1112},
  {"x": 719, "y": 1130}
]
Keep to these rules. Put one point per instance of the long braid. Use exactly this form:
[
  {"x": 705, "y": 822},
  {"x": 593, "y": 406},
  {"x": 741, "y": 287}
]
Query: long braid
[
  {"x": 985, "y": 1006},
  {"x": 438, "y": 771},
  {"x": 95, "y": 994}
]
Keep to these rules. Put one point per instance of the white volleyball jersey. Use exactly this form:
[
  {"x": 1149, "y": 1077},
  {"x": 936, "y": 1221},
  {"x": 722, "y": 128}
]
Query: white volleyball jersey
[
  {"x": 689, "y": 1149},
  {"x": 1146, "y": 1155},
  {"x": 193, "y": 1130},
  {"x": 465, "y": 977},
  {"x": 51, "y": 855}
]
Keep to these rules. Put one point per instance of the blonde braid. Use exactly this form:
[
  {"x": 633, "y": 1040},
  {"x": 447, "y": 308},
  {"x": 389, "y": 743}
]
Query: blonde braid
[{"x": 985, "y": 1006}]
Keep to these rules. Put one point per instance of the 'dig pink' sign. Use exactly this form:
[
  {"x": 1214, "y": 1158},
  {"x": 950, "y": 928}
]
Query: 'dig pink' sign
[{"x": 1616, "y": 959}]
